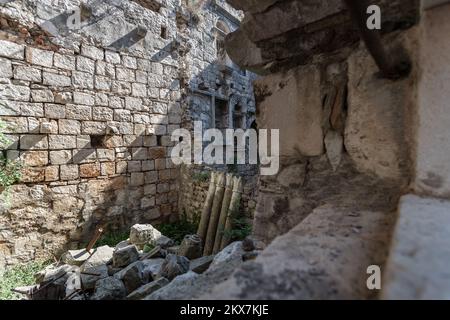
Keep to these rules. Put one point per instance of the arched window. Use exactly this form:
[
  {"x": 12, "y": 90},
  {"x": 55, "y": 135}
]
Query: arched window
[{"x": 222, "y": 30}]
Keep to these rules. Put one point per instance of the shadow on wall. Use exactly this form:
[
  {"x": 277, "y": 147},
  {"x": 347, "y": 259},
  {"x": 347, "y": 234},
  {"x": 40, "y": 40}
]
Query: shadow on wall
[{"x": 107, "y": 177}]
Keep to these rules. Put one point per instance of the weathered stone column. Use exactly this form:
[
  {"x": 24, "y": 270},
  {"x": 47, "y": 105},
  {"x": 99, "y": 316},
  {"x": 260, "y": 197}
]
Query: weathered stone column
[
  {"x": 204, "y": 220},
  {"x": 223, "y": 212},
  {"x": 215, "y": 213}
]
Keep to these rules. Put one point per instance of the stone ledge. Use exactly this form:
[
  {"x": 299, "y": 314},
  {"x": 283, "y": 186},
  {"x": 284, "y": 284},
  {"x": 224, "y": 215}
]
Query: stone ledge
[{"x": 418, "y": 264}]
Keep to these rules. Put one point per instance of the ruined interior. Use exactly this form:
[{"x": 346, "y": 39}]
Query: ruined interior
[{"x": 92, "y": 92}]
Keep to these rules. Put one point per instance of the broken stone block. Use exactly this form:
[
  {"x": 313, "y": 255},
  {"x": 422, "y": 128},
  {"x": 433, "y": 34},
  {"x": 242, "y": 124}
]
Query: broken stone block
[
  {"x": 232, "y": 252},
  {"x": 202, "y": 264},
  {"x": 132, "y": 276},
  {"x": 191, "y": 247},
  {"x": 147, "y": 289},
  {"x": 248, "y": 244},
  {"x": 173, "y": 266},
  {"x": 164, "y": 242},
  {"x": 100, "y": 255},
  {"x": 55, "y": 283},
  {"x": 91, "y": 275},
  {"x": 76, "y": 257},
  {"x": 125, "y": 256},
  {"x": 141, "y": 234},
  {"x": 109, "y": 289},
  {"x": 152, "y": 267},
  {"x": 174, "y": 289}
]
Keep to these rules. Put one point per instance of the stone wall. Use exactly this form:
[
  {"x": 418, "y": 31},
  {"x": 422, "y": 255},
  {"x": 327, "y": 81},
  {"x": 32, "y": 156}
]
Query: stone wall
[
  {"x": 90, "y": 111},
  {"x": 93, "y": 120}
]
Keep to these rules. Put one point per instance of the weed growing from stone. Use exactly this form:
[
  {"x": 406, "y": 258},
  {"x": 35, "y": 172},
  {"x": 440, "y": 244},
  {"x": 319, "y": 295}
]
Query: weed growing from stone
[
  {"x": 112, "y": 238},
  {"x": 179, "y": 229},
  {"x": 18, "y": 276}
]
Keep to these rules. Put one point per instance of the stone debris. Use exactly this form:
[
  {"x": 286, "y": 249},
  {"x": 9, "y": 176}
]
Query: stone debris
[
  {"x": 76, "y": 257},
  {"x": 100, "y": 256},
  {"x": 91, "y": 275},
  {"x": 126, "y": 272},
  {"x": 124, "y": 256},
  {"x": 202, "y": 264},
  {"x": 191, "y": 247},
  {"x": 148, "y": 289},
  {"x": 141, "y": 234},
  {"x": 174, "y": 266},
  {"x": 109, "y": 289},
  {"x": 132, "y": 276}
]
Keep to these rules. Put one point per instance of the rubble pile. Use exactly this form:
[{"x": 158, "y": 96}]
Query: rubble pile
[{"x": 127, "y": 271}]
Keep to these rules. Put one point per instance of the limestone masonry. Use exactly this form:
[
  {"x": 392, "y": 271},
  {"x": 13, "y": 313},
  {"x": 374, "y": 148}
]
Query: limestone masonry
[{"x": 90, "y": 112}]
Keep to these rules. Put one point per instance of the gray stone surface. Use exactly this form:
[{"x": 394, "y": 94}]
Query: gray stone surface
[
  {"x": 417, "y": 267},
  {"x": 174, "y": 266},
  {"x": 432, "y": 145},
  {"x": 100, "y": 256},
  {"x": 147, "y": 289},
  {"x": 109, "y": 289},
  {"x": 122, "y": 257},
  {"x": 132, "y": 276}
]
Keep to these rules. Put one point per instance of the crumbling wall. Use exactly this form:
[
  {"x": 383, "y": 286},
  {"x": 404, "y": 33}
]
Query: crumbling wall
[{"x": 89, "y": 110}]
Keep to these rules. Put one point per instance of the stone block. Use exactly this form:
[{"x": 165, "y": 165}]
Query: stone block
[
  {"x": 56, "y": 80},
  {"x": 125, "y": 74},
  {"x": 291, "y": 102},
  {"x": 34, "y": 158},
  {"x": 33, "y": 142},
  {"x": 417, "y": 267},
  {"x": 5, "y": 68},
  {"x": 9, "y": 108},
  {"x": 63, "y": 97},
  {"x": 39, "y": 57},
  {"x": 90, "y": 170},
  {"x": 64, "y": 61},
  {"x": 54, "y": 111},
  {"x": 85, "y": 64},
  {"x": 82, "y": 80},
  {"x": 51, "y": 173},
  {"x": 12, "y": 50},
  {"x": 432, "y": 170},
  {"x": 60, "y": 157},
  {"x": 15, "y": 125},
  {"x": 69, "y": 126},
  {"x": 78, "y": 112},
  {"x": 137, "y": 179},
  {"x": 57, "y": 141},
  {"x": 93, "y": 127},
  {"x": 83, "y": 98},
  {"x": 102, "y": 114},
  {"x": 27, "y": 73},
  {"x": 42, "y": 96},
  {"x": 92, "y": 52},
  {"x": 10, "y": 91},
  {"x": 69, "y": 172},
  {"x": 377, "y": 120},
  {"x": 31, "y": 109},
  {"x": 112, "y": 57}
]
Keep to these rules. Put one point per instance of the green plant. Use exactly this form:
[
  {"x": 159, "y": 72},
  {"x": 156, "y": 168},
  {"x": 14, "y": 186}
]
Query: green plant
[
  {"x": 201, "y": 176},
  {"x": 18, "y": 276},
  {"x": 179, "y": 229},
  {"x": 241, "y": 227},
  {"x": 10, "y": 170},
  {"x": 148, "y": 247},
  {"x": 112, "y": 238}
]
